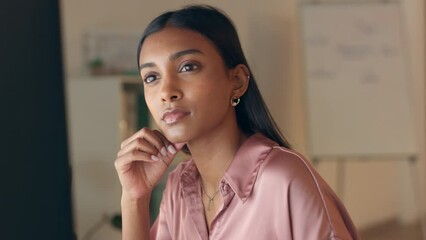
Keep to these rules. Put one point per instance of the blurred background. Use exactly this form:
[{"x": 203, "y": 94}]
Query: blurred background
[{"x": 92, "y": 100}]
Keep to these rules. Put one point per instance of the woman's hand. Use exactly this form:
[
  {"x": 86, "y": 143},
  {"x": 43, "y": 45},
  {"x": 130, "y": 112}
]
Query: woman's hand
[{"x": 142, "y": 161}]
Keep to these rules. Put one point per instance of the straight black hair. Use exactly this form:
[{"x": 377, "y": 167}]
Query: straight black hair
[{"x": 252, "y": 113}]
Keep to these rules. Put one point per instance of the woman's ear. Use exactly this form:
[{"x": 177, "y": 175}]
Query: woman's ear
[{"x": 241, "y": 78}]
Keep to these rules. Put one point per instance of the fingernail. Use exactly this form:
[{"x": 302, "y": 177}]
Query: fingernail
[
  {"x": 154, "y": 158},
  {"x": 163, "y": 151},
  {"x": 171, "y": 149}
]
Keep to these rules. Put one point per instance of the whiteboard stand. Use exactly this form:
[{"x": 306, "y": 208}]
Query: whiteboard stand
[{"x": 415, "y": 180}]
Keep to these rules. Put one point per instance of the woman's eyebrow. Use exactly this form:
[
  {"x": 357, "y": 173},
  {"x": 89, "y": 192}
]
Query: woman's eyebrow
[
  {"x": 174, "y": 56},
  {"x": 145, "y": 65},
  {"x": 179, "y": 54}
]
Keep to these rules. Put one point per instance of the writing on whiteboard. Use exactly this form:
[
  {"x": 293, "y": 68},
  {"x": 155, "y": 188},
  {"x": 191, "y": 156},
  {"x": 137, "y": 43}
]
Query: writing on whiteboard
[{"x": 356, "y": 79}]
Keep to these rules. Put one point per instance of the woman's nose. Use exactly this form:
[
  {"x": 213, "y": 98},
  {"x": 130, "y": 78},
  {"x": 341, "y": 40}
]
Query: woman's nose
[{"x": 170, "y": 90}]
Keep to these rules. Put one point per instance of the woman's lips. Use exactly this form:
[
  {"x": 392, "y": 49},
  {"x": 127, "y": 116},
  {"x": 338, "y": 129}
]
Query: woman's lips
[{"x": 173, "y": 116}]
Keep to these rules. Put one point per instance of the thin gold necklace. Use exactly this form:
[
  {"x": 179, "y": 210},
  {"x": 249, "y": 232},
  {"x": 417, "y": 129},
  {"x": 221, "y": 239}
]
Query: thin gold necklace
[
  {"x": 214, "y": 195},
  {"x": 210, "y": 198}
]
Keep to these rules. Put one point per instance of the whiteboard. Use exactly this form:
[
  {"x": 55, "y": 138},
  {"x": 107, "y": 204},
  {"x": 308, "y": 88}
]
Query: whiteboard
[{"x": 357, "y": 80}]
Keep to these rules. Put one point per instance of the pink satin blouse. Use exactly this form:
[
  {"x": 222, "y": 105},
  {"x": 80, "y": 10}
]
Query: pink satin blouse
[{"x": 268, "y": 192}]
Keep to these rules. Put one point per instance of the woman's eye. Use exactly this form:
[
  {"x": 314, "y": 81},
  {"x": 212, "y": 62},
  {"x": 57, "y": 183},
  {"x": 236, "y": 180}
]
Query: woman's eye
[
  {"x": 150, "y": 78},
  {"x": 188, "y": 67}
]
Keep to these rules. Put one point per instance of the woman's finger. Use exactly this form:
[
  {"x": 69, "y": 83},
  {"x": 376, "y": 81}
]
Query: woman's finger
[
  {"x": 133, "y": 156},
  {"x": 149, "y": 136},
  {"x": 168, "y": 145},
  {"x": 139, "y": 144},
  {"x": 171, "y": 147},
  {"x": 179, "y": 146}
]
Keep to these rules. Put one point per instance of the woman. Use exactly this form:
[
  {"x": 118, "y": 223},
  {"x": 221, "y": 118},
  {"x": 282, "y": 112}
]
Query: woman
[{"x": 243, "y": 181}]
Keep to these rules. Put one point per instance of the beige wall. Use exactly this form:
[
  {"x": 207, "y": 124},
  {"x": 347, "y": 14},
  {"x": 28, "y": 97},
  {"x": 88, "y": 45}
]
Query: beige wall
[{"x": 270, "y": 36}]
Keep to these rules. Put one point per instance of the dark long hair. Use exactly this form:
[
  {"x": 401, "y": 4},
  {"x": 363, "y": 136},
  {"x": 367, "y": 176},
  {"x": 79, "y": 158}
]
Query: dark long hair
[{"x": 252, "y": 114}]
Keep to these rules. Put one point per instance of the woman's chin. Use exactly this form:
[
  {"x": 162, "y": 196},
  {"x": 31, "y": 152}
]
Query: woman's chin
[{"x": 176, "y": 136}]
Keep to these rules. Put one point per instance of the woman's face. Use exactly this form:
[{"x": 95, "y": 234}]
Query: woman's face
[{"x": 186, "y": 84}]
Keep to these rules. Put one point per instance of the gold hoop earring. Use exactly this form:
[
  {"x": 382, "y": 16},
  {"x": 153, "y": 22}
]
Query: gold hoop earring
[{"x": 235, "y": 101}]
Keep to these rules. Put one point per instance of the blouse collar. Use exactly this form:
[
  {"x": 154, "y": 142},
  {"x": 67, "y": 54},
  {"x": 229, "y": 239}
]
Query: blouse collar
[{"x": 242, "y": 173}]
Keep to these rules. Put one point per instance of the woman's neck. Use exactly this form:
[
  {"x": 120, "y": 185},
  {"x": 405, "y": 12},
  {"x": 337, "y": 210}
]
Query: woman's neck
[{"x": 214, "y": 153}]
